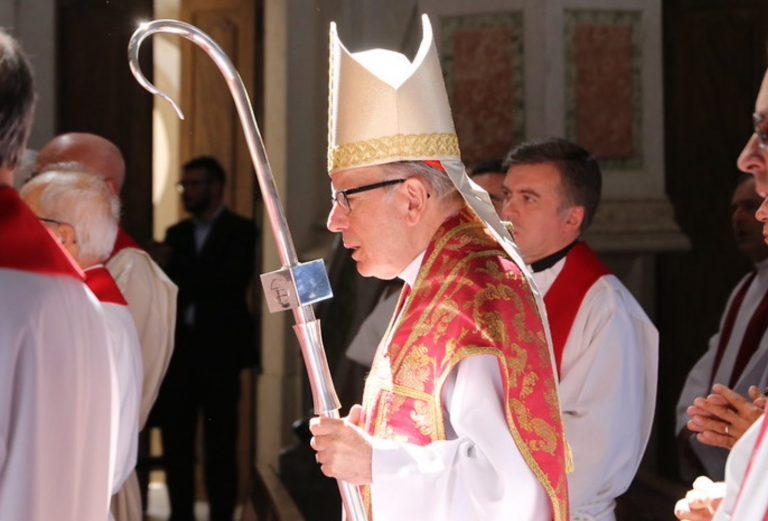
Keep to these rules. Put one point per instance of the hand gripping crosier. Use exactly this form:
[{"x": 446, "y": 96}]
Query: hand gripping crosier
[{"x": 296, "y": 286}]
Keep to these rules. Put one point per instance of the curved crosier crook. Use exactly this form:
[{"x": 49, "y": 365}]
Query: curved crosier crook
[
  {"x": 145, "y": 30},
  {"x": 300, "y": 284}
]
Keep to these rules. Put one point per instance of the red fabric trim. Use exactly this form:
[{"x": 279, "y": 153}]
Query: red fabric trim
[
  {"x": 730, "y": 319},
  {"x": 27, "y": 245},
  {"x": 123, "y": 241},
  {"x": 563, "y": 300},
  {"x": 751, "y": 341},
  {"x": 437, "y": 165},
  {"x": 101, "y": 283}
]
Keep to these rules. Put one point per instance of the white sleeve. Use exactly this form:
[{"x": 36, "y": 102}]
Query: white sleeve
[
  {"x": 151, "y": 300},
  {"x": 480, "y": 474},
  {"x": 696, "y": 383},
  {"x": 608, "y": 396},
  {"x": 57, "y": 415},
  {"x": 735, "y": 472}
]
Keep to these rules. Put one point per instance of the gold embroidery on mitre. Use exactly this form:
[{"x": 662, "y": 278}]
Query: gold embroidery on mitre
[{"x": 389, "y": 149}]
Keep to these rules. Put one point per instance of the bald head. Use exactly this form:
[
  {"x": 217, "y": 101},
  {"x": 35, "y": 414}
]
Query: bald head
[{"x": 87, "y": 152}]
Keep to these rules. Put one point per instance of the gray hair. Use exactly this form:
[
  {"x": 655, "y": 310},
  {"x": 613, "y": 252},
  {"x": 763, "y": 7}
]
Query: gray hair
[
  {"x": 437, "y": 180},
  {"x": 83, "y": 201},
  {"x": 17, "y": 101}
]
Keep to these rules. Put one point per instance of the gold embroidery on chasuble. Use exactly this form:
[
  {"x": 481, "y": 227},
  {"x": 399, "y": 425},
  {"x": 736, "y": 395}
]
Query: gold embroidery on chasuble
[{"x": 468, "y": 300}]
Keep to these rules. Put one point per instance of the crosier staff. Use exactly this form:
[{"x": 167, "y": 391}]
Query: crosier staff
[{"x": 296, "y": 285}]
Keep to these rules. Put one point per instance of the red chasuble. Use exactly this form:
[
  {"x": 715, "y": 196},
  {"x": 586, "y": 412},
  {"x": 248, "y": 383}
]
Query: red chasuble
[
  {"x": 563, "y": 300},
  {"x": 101, "y": 283},
  {"x": 469, "y": 299},
  {"x": 26, "y": 244}
]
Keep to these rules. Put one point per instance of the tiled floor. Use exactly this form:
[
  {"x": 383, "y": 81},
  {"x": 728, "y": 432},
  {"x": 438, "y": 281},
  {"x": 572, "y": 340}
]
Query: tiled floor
[{"x": 158, "y": 508}]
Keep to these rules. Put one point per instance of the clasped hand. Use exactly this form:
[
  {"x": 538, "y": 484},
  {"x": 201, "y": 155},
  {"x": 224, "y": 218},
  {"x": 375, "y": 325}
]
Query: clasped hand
[
  {"x": 721, "y": 418},
  {"x": 344, "y": 450}
]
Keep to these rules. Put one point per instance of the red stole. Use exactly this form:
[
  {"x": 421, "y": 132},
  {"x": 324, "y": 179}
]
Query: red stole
[
  {"x": 752, "y": 334},
  {"x": 469, "y": 299},
  {"x": 563, "y": 300},
  {"x": 730, "y": 319},
  {"x": 27, "y": 245},
  {"x": 101, "y": 283},
  {"x": 123, "y": 241}
]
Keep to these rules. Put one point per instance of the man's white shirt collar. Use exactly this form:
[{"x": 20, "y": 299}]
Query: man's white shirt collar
[{"x": 411, "y": 271}]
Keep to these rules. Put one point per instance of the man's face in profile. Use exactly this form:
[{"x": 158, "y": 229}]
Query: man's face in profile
[
  {"x": 754, "y": 158},
  {"x": 374, "y": 226}
]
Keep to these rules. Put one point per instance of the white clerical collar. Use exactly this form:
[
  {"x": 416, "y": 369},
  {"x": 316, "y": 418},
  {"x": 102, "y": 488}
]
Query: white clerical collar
[
  {"x": 411, "y": 271},
  {"x": 207, "y": 224}
]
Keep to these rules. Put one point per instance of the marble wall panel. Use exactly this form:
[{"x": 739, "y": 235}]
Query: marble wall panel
[
  {"x": 482, "y": 56},
  {"x": 603, "y": 93}
]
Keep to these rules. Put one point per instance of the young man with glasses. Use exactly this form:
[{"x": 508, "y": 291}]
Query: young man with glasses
[
  {"x": 460, "y": 416},
  {"x": 211, "y": 259}
]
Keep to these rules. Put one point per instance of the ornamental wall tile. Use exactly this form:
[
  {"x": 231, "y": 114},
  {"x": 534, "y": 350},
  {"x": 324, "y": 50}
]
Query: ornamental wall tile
[{"x": 482, "y": 55}]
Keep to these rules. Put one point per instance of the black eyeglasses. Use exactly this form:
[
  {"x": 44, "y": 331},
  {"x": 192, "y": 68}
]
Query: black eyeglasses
[
  {"x": 181, "y": 186},
  {"x": 342, "y": 196},
  {"x": 760, "y": 124},
  {"x": 52, "y": 221}
]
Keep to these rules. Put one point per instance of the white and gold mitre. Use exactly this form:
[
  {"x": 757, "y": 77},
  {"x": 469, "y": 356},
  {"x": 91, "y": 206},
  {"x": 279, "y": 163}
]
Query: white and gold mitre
[{"x": 384, "y": 108}]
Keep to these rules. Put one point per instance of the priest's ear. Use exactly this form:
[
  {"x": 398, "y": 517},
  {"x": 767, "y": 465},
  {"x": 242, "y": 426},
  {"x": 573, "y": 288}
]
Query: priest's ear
[
  {"x": 416, "y": 192},
  {"x": 574, "y": 218},
  {"x": 67, "y": 235}
]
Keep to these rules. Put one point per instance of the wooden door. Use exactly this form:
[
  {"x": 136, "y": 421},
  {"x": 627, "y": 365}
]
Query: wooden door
[
  {"x": 97, "y": 93},
  {"x": 212, "y": 126}
]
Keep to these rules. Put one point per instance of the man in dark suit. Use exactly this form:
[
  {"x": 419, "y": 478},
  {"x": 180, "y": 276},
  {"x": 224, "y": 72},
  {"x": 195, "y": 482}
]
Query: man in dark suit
[{"x": 212, "y": 262}]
